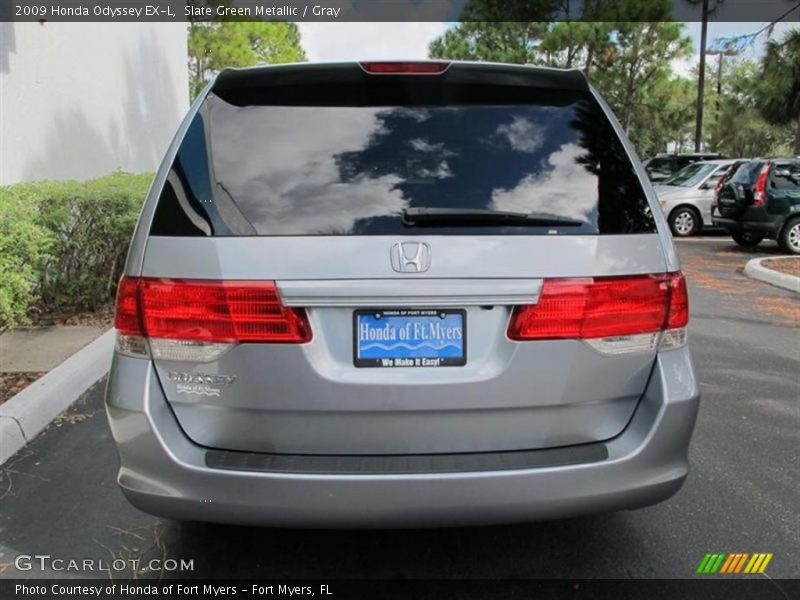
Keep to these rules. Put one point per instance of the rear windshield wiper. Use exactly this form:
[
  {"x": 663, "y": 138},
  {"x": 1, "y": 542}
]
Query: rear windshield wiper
[{"x": 459, "y": 217}]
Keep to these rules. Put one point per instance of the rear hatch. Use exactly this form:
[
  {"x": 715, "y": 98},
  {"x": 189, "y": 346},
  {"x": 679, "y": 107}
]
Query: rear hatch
[
  {"x": 384, "y": 238},
  {"x": 737, "y": 192}
]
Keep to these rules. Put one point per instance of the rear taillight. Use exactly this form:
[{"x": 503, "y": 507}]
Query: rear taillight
[
  {"x": 127, "y": 319},
  {"x": 760, "y": 191},
  {"x": 183, "y": 319},
  {"x": 717, "y": 188},
  {"x": 678, "y": 312},
  {"x": 629, "y": 313},
  {"x": 405, "y": 68},
  {"x": 219, "y": 311}
]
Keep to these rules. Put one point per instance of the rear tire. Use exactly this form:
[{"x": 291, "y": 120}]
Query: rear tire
[
  {"x": 747, "y": 239},
  {"x": 684, "y": 221},
  {"x": 789, "y": 238}
]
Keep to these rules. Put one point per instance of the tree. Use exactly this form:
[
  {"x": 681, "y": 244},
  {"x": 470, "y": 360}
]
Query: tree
[
  {"x": 214, "y": 46},
  {"x": 664, "y": 115},
  {"x": 735, "y": 126},
  {"x": 778, "y": 91},
  {"x": 497, "y": 42},
  {"x": 628, "y": 61},
  {"x": 577, "y": 44},
  {"x": 639, "y": 67}
]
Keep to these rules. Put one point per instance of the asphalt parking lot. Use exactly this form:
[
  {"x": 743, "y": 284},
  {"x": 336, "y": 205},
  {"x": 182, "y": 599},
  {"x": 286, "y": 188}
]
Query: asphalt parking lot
[{"x": 58, "y": 495}]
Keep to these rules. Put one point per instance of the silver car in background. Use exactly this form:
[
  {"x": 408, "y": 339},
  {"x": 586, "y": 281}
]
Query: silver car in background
[
  {"x": 686, "y": 196},
  {"x": 400, "y": 294}
]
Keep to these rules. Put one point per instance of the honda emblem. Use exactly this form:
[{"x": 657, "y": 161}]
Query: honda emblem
[{"x": 411, "y": 257}]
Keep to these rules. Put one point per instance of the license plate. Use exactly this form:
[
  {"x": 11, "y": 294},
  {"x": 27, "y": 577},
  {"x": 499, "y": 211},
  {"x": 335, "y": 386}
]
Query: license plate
[{"x": 409, "y": 338}]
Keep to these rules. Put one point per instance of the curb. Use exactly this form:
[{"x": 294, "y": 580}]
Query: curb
[
  {"x": 27, "y": 413},
  {"x": 754, "y": 269}
]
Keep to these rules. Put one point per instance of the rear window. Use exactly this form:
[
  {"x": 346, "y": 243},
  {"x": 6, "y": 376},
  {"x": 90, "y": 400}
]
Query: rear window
[
  {"x": 353, "y": 165},
  {"x": 747, "y": 173}
]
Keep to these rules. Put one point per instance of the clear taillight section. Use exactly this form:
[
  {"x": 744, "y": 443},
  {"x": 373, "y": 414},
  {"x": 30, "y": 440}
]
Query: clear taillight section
[
  {"x": 193, "y": 319},
  {"x": 616, "y": 314}
]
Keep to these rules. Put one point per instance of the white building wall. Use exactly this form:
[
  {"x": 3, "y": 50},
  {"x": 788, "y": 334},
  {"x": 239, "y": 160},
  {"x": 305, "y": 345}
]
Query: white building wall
[{"x": 79, "y": 100}]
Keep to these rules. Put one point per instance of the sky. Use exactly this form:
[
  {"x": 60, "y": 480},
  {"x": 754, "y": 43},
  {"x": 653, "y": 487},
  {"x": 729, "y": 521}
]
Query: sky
[{"x": 344, "y": 41}]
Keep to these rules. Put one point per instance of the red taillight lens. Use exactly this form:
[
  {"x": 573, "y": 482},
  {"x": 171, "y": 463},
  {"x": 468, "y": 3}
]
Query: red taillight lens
[
  {"x": 759, "y": 194},
  {"x": 126, "y": 319},
  {"x": 405, "y": 68},
  {"x": 602, "y": 307},
  {"x": 678, "y": 314},
  {"x": 211, "y": 311},
  {"x": 717, "y": 188}
]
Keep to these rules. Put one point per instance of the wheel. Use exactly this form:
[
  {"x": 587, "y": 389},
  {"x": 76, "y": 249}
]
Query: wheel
[
  {"x": 684, "y": 221},
  {"x": 747, "y": 239},
  {"x": 789, "y": 239}
]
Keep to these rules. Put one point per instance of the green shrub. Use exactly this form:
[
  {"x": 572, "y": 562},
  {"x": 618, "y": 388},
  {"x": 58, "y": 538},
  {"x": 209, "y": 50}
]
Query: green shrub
[
  {"x": 88, "y": 226},
  {"x": 23, "y": 243},
  {"x": 91, "y": 223}
]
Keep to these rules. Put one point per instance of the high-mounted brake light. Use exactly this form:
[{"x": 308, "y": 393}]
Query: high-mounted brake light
[
  {"x": 611, "y": 308},
  {"x": 759, "y": 194},
  {"x": 193, "y": 313},
  {"x": 405, "y": 68}
]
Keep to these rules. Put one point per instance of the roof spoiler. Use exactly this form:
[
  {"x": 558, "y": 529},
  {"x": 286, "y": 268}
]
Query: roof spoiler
[{"x": 233, "y": 82}]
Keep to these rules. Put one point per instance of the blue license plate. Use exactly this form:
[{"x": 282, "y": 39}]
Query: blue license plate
[{"x": 409, "y": 338}]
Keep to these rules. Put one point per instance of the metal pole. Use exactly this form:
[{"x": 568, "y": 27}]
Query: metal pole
[{"x": 701, "y": 81}]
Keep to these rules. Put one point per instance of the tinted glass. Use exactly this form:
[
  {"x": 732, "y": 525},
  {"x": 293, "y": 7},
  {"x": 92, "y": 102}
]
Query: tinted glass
[
  {"x": 719, "y": 173},
  {"x": 785, "y": 176},
  {"x": 747, "y": 174},
  {"x": 683, "y": 161},
  {"x": 353, "y": 170},
  {"x": 660, "y": 164},
  {"x": 690, "y": 176}
]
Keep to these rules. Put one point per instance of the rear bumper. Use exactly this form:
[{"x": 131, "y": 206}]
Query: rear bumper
[
  {"x": 162, "y": 472},
  {"x": 769, "y": 228}
]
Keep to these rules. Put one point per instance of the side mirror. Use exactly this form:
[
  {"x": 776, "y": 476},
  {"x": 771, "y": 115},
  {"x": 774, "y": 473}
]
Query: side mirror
[{"x": 708, "y": 185}]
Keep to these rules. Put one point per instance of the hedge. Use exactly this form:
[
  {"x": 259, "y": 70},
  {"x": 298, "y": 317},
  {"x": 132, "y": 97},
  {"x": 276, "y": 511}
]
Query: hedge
[
  {"x": 64, "y": 243},
  {"x": 23, "y": 245}
]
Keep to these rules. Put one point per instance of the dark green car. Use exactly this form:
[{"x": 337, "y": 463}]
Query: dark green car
[{"x": 761, "y": 199}]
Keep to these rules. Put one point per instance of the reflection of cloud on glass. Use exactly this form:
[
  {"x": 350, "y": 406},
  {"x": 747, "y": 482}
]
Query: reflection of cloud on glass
[
  {"x": 442, "y": 171},
  {"x": 522, "y": 134},
  {"x": 420, "y": 115},
  {"x": 564, "y": 189},
  {"x": 302, "y": 172},
  {"x": 298, "y": 208},
  {"x": 423, "y": 145}
]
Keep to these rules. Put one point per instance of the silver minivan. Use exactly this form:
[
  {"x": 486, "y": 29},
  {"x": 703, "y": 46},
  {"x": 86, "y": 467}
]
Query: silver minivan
[{"x": 400, "y": 294}]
